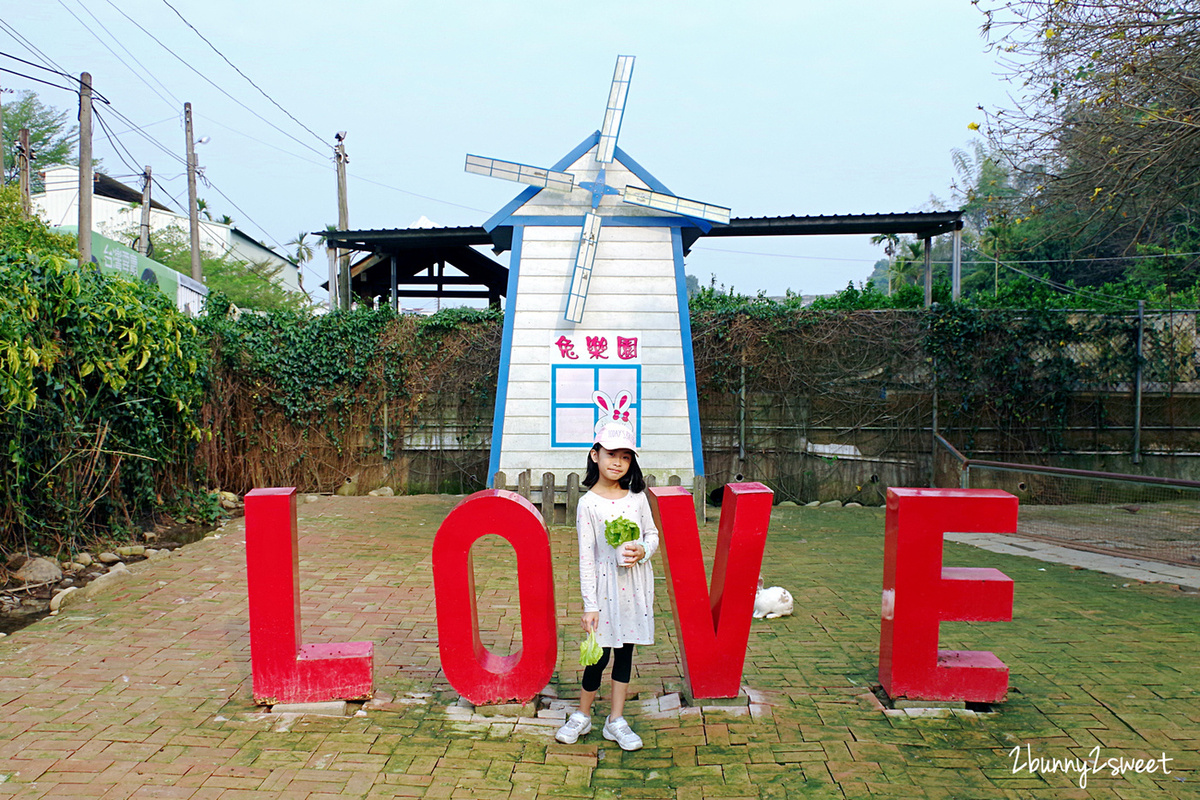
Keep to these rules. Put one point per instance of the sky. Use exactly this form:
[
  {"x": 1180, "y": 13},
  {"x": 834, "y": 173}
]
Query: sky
[{"x": 769, "y": 108}]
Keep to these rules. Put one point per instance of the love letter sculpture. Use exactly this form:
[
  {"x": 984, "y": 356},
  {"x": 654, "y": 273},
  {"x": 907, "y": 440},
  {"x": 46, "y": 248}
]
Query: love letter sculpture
[
  {"x": 713, "y": 625},
  {"x": 284, "y": 670},
  {"x": 918, "y": 593},
  {"x": 475, "y": 672}
]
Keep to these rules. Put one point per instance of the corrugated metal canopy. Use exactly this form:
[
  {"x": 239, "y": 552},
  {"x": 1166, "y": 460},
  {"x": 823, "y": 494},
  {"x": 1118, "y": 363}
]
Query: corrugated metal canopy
[{"x": 419, "y": 249}]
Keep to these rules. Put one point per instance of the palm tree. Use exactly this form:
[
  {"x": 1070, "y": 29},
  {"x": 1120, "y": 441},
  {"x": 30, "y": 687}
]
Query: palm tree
[
  {"x": 304, "y": 249},
  {"x": 304, "y": 254},
  {"x": 909, "y": 264},
  {"x": 890, "y": 242}
]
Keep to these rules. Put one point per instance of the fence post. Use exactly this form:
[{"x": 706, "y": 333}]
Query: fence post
[
  {"x": 572, "y": 496},
  {"x": 700, "y": 497},
  {"x": 1137, "y": 385},
  {"x": 523, "y": 484},
  {"x": 651, "y": 481},
  {"x": 500, "y": 481},
  {"x": 548, "y": 498},
  {"x": 934, "y": 427}
]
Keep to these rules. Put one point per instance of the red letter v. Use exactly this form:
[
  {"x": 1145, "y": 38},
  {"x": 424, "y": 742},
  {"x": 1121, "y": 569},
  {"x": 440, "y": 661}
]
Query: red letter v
[{"x": 714, "y": 626}]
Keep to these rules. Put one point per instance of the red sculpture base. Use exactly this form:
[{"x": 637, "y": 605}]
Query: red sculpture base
[{"x": 285, "y": 670}]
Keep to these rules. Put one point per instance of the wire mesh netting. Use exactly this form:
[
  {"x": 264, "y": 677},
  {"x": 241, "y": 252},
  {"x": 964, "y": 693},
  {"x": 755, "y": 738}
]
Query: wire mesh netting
[{"x": 1129, "y": 515}]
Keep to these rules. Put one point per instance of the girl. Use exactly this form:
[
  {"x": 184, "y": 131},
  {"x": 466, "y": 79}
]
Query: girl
[{"x": 617, "y": 582}]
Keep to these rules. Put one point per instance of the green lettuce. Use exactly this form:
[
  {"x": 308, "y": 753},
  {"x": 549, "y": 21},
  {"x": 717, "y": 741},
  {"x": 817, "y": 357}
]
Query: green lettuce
[
  {"x": 620, "y": 530},
  {"x": 589, "y": 650}
]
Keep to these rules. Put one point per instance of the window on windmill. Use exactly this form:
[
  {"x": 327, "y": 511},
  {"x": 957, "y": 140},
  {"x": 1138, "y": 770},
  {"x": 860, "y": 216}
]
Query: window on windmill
[{"x": 573, "y": 413}]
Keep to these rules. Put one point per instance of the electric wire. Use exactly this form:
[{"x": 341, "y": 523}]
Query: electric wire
[
  {"x": 37, "y": 80},
  {"x": 965, "y": 262},
  {"x": 31, "y": 47},
  {"x": 239, "y": 72},
  {"x": 118, "y": 146},
  {"x": 210, "y": 82},
  {"x": 136, "y": 73},
  {"x": 97, "y": 95}
]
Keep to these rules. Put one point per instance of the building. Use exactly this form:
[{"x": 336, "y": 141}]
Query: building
[{"x": 117, "y": 214}]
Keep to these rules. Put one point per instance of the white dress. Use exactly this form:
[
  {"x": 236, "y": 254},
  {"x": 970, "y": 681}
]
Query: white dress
[{"x": 624, "y": 596}]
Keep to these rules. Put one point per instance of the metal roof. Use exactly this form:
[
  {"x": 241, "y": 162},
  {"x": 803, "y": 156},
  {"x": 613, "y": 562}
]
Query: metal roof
[{"x": 430, "y": 249}]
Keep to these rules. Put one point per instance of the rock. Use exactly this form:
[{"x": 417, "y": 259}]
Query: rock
[
  {"x": 228, "y": 497},
  {"x": 118, "y": 567},
  {"x": 150, "y": 536},
  {"x": 15, "y": 562},
  {"x": 311, "y": 498},
  {"x": 812, "y": 504},
  {"x": 382, "y": 491},
  {"x": 108, "y": 558},
  {"x": 229, "y": 505},
  {"x": 155, "y": 555},
  {"x": 83, "y": 559},
  {"x": 131, "y": 550},
  {"x": 853, "y": 505},
  {"x": 788, "y": 504},
  {"x": 39, "y": 570},
  {"x": 57, "y": 601},
  {"x": 832, "y": 504}
]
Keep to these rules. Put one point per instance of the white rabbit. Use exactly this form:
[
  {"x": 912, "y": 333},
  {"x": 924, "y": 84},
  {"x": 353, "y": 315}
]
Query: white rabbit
[{"x": 772, "y": 602}]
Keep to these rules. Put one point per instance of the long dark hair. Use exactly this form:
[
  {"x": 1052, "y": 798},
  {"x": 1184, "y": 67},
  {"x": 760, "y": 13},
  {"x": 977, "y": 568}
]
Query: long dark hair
[{"x": 631, "y": 480}]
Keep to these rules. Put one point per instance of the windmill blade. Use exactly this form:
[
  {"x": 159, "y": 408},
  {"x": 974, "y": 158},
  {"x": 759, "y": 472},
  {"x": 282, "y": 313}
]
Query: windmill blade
[
  {"x": 616, "y": 109},
  {"x": 521, "y": 173},
  {"x": 589, "y": 235},
  {"x": 675, "y": 205}
]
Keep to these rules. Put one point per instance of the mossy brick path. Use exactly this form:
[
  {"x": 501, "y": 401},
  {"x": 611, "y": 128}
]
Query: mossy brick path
[{"x": 144, "y": 692}]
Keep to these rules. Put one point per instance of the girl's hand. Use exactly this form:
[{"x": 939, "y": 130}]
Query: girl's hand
[
  {"x": 631, "y": 553},
  {"x": 591, "y": 620}
]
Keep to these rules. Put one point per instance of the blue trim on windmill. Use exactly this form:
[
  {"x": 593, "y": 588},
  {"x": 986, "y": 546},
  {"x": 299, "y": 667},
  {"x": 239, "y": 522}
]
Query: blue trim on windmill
[
  {"x": 505, "y": 360},
  {"x": 605, "y": 142}
]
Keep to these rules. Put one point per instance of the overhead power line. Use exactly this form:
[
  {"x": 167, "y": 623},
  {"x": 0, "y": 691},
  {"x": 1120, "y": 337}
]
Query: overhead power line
[
  {"x": 212, "y": 83},
  {"x": 174, "y": 102},
  {"x": 239, "y": 72}
]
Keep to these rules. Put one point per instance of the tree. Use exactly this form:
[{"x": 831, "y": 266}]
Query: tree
[
  {"x": 51, "y": 138},
  {"x": 248, "y": 284},
  {"x": 890, "y": 242},
  {"x": 982, "y": 187},
  {"x": 303, "y": 254},
  {"x": 1108, "y": 108}
]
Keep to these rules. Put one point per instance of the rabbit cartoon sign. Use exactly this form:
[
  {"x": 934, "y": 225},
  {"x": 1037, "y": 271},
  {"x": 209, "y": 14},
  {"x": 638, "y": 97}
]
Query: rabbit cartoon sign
[{"x": 597, "y": 303}]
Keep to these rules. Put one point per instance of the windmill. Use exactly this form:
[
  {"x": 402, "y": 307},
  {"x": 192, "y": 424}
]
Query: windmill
[
  {"x": 595, "y": 223},
  {"x": 589, "y": 233}
]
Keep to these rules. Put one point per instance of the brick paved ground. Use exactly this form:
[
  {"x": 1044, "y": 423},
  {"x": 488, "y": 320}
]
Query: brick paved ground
[{"x": 144, "y": 691}]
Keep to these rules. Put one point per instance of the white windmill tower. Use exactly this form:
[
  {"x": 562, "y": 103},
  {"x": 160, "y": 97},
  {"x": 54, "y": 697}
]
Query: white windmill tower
[{"x": 596, "y": 323}]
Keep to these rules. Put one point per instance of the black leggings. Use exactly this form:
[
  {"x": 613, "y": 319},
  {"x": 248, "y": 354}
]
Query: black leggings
[{"x": 622, "y": 667}]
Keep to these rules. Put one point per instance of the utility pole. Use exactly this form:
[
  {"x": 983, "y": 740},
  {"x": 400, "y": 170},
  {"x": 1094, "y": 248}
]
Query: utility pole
[
  {"x": 928, "y": 271},
  {"x": 343, "y": 288},
  {"x": 144, "y": 233},
  {"x": 85, "y": 168},
  {"x": 193, "y": 209},
  {"x": 23, "y": 170},
  {"x": 3, "y": 177}
]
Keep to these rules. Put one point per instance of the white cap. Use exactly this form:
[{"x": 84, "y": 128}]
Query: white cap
[{"x": 617, "y": 436}]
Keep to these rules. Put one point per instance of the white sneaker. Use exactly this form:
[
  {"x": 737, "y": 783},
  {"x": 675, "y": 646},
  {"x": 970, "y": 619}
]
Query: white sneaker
[
  {"x": 617, "y": 730},
  {"x": 578, "y": 724}
]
